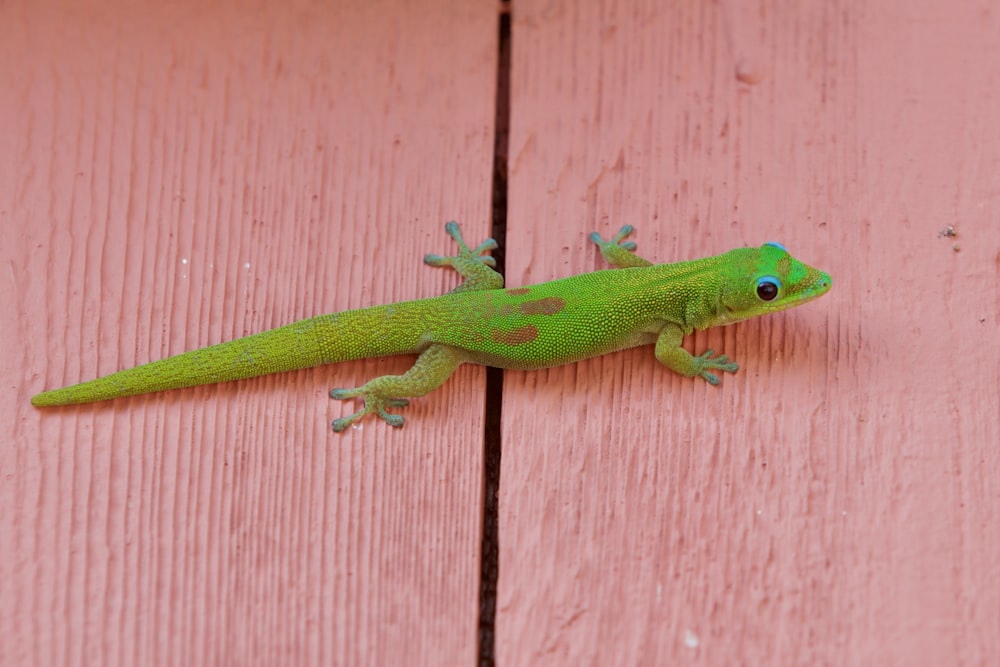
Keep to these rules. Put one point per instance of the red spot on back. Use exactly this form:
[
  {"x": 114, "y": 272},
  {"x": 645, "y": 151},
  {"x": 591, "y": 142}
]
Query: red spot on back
[
  {"x": 518, "y": 336},
  {"x": 550, "y": 305},
  {"x": 518, "y": 291}
]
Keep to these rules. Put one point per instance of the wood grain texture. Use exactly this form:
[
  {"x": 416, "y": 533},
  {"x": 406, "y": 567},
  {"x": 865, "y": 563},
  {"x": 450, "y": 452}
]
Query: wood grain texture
[
  {"x": 178, "y": 174},
  {"x": 837, "y": 502}
]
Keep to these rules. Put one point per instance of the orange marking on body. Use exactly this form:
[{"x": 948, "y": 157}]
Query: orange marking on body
[
  {"x": 518, "y": 336},
  {"x": 518, "y": 291},
  {"x": 550, "y": 305}
]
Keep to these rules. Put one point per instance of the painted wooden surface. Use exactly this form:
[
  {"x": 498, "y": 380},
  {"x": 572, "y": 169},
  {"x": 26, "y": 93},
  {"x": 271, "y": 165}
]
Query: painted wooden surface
[
  {"x": 837, "y": 502},
  {"x": 178, "y": 174},
  {"x": 173, "y": 175}
]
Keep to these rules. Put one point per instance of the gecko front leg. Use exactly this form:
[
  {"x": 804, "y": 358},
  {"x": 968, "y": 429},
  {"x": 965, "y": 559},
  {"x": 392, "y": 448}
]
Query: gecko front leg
[
  {"x": 670, "y": 353},
  {"x": 617, "y": 252}
]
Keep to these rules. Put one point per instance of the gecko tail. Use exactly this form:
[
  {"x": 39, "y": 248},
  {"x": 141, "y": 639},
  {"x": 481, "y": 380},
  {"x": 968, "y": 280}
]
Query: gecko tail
[
  {"x": 353, "y": 334},
  {"x": 287, "y": 348}
]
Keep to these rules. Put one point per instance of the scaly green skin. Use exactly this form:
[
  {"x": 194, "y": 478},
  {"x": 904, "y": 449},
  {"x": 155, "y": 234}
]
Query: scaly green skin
[{"x": 548, "y": 324}]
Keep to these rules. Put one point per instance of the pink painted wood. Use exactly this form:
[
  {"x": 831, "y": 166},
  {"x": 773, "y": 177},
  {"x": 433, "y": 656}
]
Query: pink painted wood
[
  {"x": 178, "y": 174},
  {"x": 837, "y": 502},
  {"x": 175, "y": 174}
]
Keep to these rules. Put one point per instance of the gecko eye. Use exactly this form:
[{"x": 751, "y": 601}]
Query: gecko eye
[{"x": 768, "y": 288}]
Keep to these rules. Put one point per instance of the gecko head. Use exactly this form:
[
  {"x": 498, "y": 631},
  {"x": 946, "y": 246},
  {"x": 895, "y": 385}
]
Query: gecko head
[{"x": 766, "y": 280}]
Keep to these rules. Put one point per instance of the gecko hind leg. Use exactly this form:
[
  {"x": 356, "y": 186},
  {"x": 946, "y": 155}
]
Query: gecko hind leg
[
  {"x": 432, "y": 368},
  {"x": 372, "y": 404},
  {"x": 470, "y": 263}
]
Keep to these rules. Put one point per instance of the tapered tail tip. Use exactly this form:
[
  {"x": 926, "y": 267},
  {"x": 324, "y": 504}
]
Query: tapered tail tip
[{"x": 47, "y": 399}]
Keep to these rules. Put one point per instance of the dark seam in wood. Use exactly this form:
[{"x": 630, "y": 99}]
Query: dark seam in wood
[{"x": 489, "y": 545}]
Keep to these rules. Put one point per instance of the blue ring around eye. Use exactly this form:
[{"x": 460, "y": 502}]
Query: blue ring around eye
[
  {"x": 768, "y": 288},
  {"x": 775, "y": 244}
]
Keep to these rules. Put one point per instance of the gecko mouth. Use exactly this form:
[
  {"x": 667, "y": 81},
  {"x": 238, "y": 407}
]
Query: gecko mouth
[
  {"x": 817, "y": 288},
  {"x": 804, "y": 292}
]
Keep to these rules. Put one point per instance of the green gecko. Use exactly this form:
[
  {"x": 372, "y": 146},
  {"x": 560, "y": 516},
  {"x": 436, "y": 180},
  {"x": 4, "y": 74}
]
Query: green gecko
[{"x": 537, "y": 326}]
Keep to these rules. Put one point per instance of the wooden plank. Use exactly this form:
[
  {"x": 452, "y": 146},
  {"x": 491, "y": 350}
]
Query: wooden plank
[
  {"x": 178, "y": 174},
  {"x": 836, "y": 501}
]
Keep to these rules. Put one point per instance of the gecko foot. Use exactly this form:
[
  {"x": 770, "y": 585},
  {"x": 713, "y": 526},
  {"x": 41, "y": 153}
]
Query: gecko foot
[
  {"x": 618, "y": 252},
  {"x": 373, "y": 403},
  {"x": 471, "y": 263},
  {"x": 705, "y": 363},
  {"x": 464, "y": 251},
  {"x": 616, "y": 241}
]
